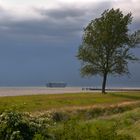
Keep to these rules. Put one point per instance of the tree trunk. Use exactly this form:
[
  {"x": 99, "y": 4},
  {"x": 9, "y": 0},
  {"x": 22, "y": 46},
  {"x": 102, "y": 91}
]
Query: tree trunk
[{"x": 104, "y": 83}]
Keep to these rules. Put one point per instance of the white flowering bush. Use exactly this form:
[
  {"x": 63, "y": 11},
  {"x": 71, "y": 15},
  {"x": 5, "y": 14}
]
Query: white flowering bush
[{"x": 19, "y": 126}]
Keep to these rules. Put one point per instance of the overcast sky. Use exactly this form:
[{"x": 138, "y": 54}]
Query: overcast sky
[{"x": 39, "y": 40}]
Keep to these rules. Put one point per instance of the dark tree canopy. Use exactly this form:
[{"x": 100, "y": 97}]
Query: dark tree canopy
[{"x": 106, "y": 45}]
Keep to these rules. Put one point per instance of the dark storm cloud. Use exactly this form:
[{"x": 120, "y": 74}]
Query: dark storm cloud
[
  {"x": 63, "y": 13},
  {"x": 43, "y": 47},
  {"x": 65, "y": 21}
]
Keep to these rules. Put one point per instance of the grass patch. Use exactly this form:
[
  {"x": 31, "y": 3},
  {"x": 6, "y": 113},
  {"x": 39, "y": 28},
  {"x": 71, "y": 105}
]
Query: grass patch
[
  {"x": 130, "y": 95},
  {"x": 121, "y": 126},
  {"x": 56, "y": 101},
  {"x": 115, "y": 116}
]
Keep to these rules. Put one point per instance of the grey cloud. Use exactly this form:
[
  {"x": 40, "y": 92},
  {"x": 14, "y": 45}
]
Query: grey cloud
[
  {"x": 63, "y": 13},
  {"x": 60, "y": 24},
  {"x": 30, "y": 48},
  {"x": 66, "y": 21}
]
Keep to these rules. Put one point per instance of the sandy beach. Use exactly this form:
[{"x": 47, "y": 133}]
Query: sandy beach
[{"x": 17, "y": 91}]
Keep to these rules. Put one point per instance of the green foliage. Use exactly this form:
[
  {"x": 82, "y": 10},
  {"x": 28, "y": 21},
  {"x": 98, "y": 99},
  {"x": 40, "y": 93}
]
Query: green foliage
[
  {"x": 110, "y": 133},
  {"x": 21, "y": 126},
  {"x": 38, "y": 137},
  {"x": 18, "y": 126},
  {"x": 59, "y": 116},
  {"x": 124, "y": 126},
  {"x": 73, "y": 130},
  {"x": 106, "y": 45}
]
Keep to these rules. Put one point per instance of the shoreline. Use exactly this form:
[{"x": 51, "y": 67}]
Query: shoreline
[{"x": 21, "y": 91}]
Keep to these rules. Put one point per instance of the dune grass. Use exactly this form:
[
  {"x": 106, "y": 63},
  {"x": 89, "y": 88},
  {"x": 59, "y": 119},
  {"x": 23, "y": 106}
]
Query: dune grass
[
  {"x": 56, "y": 101},
  {"x": 127, "y": 122},
  {"x": 100, "y": 112}
]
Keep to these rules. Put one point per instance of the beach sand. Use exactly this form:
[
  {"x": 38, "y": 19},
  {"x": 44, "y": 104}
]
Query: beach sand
[{"x": 17, "y": 91}]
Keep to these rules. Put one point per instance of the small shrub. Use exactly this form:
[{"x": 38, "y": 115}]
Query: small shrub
[
  {"x": 38, "y": 137},
  {"x": 60, "y": 116},
  {"x": 18, "y": 126},
  {"x": 92, "y": 113}
]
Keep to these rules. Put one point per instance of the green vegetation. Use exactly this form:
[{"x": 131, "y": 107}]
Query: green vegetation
[
  {"x": 63, "y": 101},
  {"x": 20, "y": 126},
  {"x": 106, "y": 45},
  {"x": 124, "y": 126},
  {"x": 79, "y": 116},
  {"x": 25, "y": 126}
]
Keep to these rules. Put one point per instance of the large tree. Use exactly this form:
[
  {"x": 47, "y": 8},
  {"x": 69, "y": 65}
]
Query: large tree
[{"x": 106, "y": 45}]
